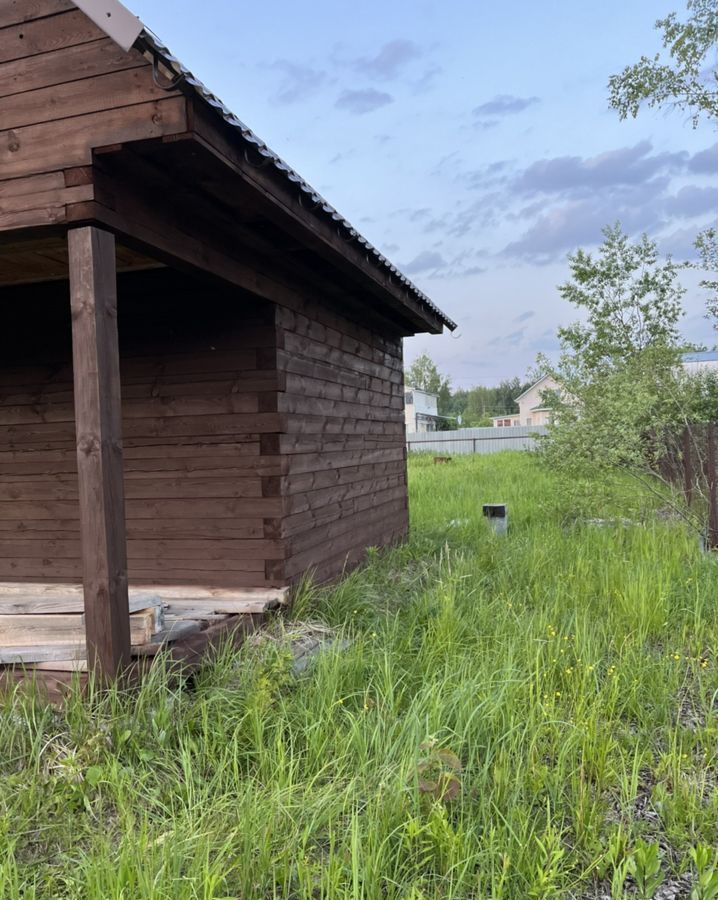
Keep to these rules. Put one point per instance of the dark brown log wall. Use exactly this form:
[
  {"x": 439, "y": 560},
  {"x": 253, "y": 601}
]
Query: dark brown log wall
[
  {"x": 66, "y": 88},
  {"x": 199, "y": 389},
  {"x": 344, "y": 445},
  {"x": 260, "y": 441}
]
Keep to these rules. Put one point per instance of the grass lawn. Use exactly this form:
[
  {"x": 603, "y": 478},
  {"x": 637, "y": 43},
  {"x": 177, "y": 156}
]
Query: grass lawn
[{"x": 528, "y": 716}]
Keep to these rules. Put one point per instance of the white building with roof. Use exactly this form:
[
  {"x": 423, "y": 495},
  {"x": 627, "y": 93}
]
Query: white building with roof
[
  {"x": 420, "y": 410},
  {"x": 532, "y": 409},
  {"x": 696, "y": 363}
]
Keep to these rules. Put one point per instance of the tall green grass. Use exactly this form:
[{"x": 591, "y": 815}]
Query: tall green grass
[{"x": 511, "y": 718}]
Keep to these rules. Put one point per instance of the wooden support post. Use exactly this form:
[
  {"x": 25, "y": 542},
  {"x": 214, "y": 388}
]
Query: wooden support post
[
  {"x": 98, "y": 423},
  {"x": 712, "y": 541}
]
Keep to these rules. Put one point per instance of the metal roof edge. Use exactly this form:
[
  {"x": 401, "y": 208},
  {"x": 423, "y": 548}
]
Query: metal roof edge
[
  {"x": 129, "y": 31},
  {"x": 148, "y": 40},
  {"x": 114, "y": 19}
]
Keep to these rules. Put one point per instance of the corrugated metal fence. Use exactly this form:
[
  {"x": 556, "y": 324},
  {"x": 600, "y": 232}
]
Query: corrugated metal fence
[{"x": 475, "y": 440}]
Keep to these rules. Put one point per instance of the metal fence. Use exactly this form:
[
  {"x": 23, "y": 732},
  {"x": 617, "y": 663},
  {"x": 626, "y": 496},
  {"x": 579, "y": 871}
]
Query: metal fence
[{"x": 475, "y": 440}]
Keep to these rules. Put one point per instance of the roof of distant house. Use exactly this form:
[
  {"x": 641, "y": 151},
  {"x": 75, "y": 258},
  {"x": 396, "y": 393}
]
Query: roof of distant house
[
  {"x": 541, "y": 379},
  {"x": 704, "y": 356},
  {"x": 412, "y": 390}
]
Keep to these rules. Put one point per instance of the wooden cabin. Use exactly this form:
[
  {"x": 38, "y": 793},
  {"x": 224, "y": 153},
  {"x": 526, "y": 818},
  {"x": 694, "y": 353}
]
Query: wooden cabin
[{"x": 200, "y": 360}]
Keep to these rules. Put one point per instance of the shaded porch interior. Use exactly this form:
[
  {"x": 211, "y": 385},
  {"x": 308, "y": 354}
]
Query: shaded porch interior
[{"x": 199, "y": 395}]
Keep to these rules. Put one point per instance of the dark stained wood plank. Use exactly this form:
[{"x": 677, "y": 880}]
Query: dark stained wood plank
[
  {"x": 186, "y": 487},
  {"x": 69, "y": 64},
  {"x": 32, "y": 184},
  {"x": 221, "y": 553},
  {"x": 69, "y": 142},
  {"x": 44, "y": 35},
  {"x": 353, "y": 539},
  {"x": 56, "y": 198},
  {"x": 99, "y": 448},
  {"x": 200, "y": 508},
  {"x": 76, "y": 98},
  {"x": 15, "y": 12}
]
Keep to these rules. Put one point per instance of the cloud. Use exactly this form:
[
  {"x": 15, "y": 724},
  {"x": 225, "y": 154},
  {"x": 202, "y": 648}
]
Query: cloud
[
  {"x": 362, "y": 101},
  {"x": 680, "y": 244},
  {"x": 570, "y": 199},
  {"x": 427, "y": 260},
  {"x": 300, "y": 81},
  {"x": 496, "y": 173},
  {"x": 579, "y": 222},
  {"x": 513, "y": 339},
  {"x": 388, "y": 63},
  {"x": 505, "y": 105},
  {"x": 625, "y": 166},
  {"x": 547, "y": 342},
  {"x": 426, "y": 81},
  {"x": 483, "y": 212},
  {"x": 417, "y": 215},
  {"x": 433, "y": 262},
  {"x": 525, "y": 316},
  {"x": 706, "y": 161},
  {"x": 555, "y": 232},
  {"x": 342, "y": 156},
  {"x": 692, "y": 201}
]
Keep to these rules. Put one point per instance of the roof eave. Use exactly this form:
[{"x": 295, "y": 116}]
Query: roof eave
[{"x": 128, "y": 31}]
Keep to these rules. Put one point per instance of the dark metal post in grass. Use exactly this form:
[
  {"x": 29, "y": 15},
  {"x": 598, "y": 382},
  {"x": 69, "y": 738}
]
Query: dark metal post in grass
[
  {"x": 498, "y": 516},
  {"x": 712, "y": 494}
]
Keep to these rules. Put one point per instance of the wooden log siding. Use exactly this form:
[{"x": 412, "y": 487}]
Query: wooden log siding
[
  {"x": 343, "y": 443},
  {"x": 66, "y": 88},
  {"x": 260, "y": 440},
  {"x": 202, "y": 492}
]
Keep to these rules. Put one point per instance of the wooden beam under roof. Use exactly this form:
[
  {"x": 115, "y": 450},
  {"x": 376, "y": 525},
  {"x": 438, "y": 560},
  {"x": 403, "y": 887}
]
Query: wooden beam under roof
[{"x": 45, "y": 259}]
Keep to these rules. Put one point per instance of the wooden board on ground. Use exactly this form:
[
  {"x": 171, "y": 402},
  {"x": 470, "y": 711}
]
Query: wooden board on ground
[
  {"x": 59, "y": 628},
  {"x": 67, "y": 593},
  {"x": 28, "y": 602},
  {"x": 218, "y": 596},
  {"x": 18, "y": 656},
  {"x": 201, "y": 607}
]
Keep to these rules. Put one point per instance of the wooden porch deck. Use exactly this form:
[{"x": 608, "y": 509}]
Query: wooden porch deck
[{"x": 42, "y": 627}]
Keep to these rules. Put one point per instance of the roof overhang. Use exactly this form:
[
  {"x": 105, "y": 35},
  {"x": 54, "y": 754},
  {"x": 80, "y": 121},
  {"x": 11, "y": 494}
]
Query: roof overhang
[{"x": 128, "y": 31}]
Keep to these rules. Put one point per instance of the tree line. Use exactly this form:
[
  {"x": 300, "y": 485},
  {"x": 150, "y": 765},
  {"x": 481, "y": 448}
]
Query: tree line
[{"x": 464, "y": 407}]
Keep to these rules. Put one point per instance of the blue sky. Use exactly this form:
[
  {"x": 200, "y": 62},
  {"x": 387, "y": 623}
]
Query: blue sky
[{"x": 471, "y": 142}]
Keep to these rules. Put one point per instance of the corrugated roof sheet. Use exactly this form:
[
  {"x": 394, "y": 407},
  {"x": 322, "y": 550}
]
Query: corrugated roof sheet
[
  {"x": 705, "y": 356},
  {"x": 318, "y": 203}
]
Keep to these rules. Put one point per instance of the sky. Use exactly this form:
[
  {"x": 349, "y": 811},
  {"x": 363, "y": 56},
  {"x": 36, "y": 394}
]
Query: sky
[{"x": 471, "y": 142}]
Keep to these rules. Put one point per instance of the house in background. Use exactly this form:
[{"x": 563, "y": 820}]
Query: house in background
[
  {"x": 421, "y": 410},
  {"x": 532, "y": 409},
  {"x": 506, "y": 421},
  {"x": 695, "y": 363}
]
